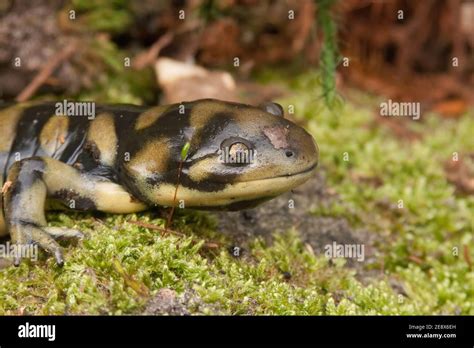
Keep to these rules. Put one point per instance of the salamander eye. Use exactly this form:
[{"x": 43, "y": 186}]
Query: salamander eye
[
  {"x": 237, "y": 148},
  {"x": 236, "y": 151},
  {"x": 235, "y": 144}
]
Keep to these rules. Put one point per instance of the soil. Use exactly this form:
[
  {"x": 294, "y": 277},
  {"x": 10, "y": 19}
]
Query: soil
[
  {"x": 275, "y": 216},
  {"x": 168, "y": 302}
]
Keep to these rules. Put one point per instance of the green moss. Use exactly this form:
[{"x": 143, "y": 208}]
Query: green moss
[
  {"x": 102, "y": 15},
  {"x": 118, "y": 82}
]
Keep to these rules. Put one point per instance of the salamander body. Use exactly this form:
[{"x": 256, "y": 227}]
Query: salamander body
[{"x": 124, "y": 158}]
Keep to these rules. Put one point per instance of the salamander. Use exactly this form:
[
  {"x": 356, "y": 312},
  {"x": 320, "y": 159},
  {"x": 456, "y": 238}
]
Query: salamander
[{"x": 126, "y": 158}]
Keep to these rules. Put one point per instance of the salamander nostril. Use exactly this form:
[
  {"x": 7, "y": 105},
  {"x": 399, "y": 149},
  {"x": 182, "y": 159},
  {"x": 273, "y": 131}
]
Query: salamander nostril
[{"x": 289, "y": 153}]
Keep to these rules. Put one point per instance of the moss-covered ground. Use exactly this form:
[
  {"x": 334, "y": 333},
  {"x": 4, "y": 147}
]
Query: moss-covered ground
[{"x": 392, "y": 187}]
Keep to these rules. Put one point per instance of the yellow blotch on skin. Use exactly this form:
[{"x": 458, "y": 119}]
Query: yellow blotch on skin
[
  {"x": 152, "y": 158},
  {"x": 112, "y": 198},
  {"x": 108, "y": 197},
  {"x": 102, "y": 133},
  {"x": 201, "y": 170},
  {"x": 54, "y": 133},
  {"x": 203, "y": 111},
  {"x": 149, "y": 117},
  {"x": 8, "y": 120}
]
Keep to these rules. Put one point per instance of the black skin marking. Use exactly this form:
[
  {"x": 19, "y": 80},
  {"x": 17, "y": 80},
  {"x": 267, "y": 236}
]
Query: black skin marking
[
  {"x": 67, "y": 196},
  {"x": 26, "y": 141},
  {"x": 241, "y": 205},
  {"x": 75, "y": 139},
  {"x": 88, "y": 162},
  {"x": 216, "y": 125}
]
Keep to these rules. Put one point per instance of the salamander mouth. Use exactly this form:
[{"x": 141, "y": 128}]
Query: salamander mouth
[
  {"x": 308, "y": 171},
  {"x": 304, "y": 171},
  {"x": 248, "y": 192}
]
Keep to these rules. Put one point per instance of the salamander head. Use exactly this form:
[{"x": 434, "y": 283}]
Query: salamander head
[{"x": 238, "y": 156}]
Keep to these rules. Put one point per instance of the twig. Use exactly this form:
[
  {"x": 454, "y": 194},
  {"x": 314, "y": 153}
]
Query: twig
[
  {"x": 170, "y": 215},
  {"x": 415, "y": 259},
  {"x": 467, "y": 256},
  {"x": 184, "y": 154},
  {"x": 154, "y": 227},
  {"x": 148, "y": 57},
  {"x": 46, "y": 71}
]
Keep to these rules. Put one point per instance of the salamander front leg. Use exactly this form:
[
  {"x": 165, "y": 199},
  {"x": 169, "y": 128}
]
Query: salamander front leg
[
  {"x": 28, "y": 184},
  {"x": 32, "y": 180}
]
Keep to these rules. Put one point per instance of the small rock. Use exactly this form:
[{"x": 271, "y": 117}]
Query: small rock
[{"x": 166, "y": 302}]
